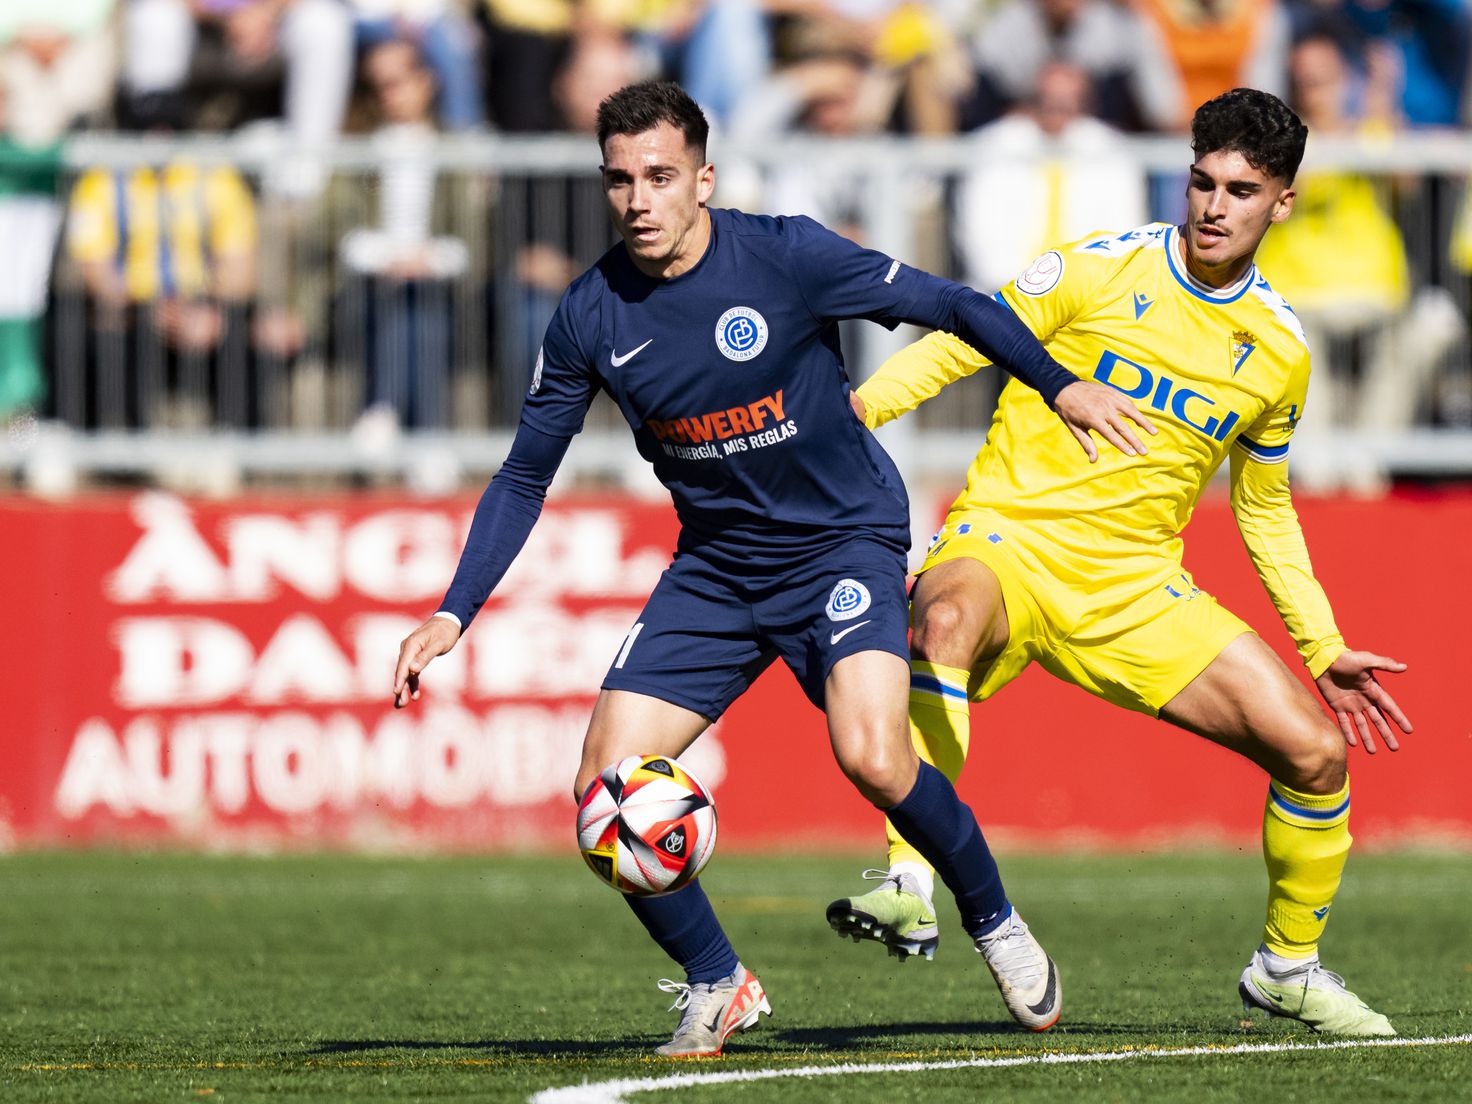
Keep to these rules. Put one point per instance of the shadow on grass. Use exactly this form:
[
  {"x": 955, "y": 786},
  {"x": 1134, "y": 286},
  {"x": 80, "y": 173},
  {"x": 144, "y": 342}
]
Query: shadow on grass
[
  {"x": 511, "y": 1048},
  {"x": 860, "y": 1037},
  {"x": 951, "y": 1033}
]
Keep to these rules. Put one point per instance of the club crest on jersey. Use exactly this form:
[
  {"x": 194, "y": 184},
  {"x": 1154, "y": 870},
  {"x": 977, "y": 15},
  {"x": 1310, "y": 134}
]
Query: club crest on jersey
[
  {"x": 1243, "y": 344},
  {"x": 741, "y": 333},
  {"x": 849, "y": 599},
  {"x": 536, "y": 374},
  {"x": 1042, "y": 275}
]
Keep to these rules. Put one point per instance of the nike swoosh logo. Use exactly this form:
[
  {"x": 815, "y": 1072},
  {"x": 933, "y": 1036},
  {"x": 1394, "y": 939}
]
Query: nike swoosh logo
[
  {"x": 620, "y": 361},
  {"x": 1042, "y": 1007},
  {"x": 836, "y": 637}
]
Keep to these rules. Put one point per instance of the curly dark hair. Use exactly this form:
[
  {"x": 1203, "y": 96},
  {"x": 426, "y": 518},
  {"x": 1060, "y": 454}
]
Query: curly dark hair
[
  {"x": 635, "y": 108},
  {"x": 1258, "y": 125}
]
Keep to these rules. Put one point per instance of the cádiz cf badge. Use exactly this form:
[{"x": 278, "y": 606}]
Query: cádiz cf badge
[{"x": 1242, "y": 345}]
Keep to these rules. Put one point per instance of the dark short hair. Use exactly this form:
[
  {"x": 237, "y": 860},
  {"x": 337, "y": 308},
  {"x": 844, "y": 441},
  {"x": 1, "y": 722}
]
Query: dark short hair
[
  {"x": 1258, "y": 125},
  {"x": 635, "y": 108}
]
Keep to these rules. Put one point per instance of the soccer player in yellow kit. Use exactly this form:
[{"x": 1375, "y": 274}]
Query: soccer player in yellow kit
[{"x": 1079, "y": 568}]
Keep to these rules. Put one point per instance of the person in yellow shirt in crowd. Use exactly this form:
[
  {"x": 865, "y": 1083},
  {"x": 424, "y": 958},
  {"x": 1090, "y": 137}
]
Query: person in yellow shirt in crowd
[
  {"x": 1079, "y": 568},
  {"x": 1342, "y": 263},
  {"x": 168, "y": 257}
]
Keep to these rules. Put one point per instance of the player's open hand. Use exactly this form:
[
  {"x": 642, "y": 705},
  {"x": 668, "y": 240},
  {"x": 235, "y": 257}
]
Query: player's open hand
[
  {"x": 433, "y": 638},
  {"x": 1361, "y": 705},
  {"x": 1086, "y": 406}
]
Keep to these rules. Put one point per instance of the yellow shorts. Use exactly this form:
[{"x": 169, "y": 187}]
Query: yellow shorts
[{"x": 1129, "y": 627}]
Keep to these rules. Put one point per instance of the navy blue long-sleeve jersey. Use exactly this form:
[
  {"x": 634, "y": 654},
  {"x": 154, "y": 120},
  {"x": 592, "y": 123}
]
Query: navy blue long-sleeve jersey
[{"x": 731, "y": 377}]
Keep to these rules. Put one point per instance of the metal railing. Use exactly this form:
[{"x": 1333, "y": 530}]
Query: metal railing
[{"x": 383, "y": 319}]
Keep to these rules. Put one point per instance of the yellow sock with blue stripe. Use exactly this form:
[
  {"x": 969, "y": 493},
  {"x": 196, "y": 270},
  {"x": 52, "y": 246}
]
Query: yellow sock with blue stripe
[
  {"x": 1305, "y": 840},
  {"x": 940, "y": 729}
]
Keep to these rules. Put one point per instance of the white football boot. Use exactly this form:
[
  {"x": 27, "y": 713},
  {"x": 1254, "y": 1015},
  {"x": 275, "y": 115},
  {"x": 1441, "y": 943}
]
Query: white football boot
[
  {"x": 711, "y": 1013},
  {"x": 1024, "y": 973}
]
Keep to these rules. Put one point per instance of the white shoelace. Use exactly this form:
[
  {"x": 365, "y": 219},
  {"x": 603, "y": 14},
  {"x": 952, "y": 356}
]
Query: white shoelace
[
  {"x": 690, "y": 1000},
  {"x": 1017, "y": 960},
  {"x": 683, "y": 993}
]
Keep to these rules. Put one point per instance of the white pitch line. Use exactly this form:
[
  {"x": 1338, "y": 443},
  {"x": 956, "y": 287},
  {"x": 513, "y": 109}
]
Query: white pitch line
[{"x": 614, "y": 1092}]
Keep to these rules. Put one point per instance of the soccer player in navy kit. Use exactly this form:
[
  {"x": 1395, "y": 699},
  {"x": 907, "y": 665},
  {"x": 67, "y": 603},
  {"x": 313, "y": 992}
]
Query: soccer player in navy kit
[{"x": 715, "y": 332}]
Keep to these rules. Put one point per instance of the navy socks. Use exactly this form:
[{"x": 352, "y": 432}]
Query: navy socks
[
  {"x": 685, "y": 926},
  {"x": 938, "y": 824}
]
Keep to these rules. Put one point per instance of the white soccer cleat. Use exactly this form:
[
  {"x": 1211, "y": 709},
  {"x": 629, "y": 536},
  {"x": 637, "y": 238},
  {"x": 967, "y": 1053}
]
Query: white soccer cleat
[
  {"x": 1024, "y": 973},
  {"x": 712, "y": 1012},
  {"x": 1310, "y": 994}
]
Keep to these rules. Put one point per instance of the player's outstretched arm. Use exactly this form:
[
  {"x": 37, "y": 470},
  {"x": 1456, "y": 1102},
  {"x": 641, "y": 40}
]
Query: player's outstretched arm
[
  {"x": 503, "y": 520},
  {"x": 433, "y": 638},
  {"x": 998, "y": 334},
  {"x": 1360, "y": 704},
  {"x": 1086, "y": 407}
]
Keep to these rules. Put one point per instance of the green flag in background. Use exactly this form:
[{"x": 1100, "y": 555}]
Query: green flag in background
[{"x": 30, "y": 216}]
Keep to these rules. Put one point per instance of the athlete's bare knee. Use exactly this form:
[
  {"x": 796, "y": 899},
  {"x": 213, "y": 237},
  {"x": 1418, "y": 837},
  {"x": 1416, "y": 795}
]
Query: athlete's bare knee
[
  {"x": 883, "y": 774},
  {"x": 943, "y": 631},
  {"x": 1316, "y": 762},
  {"x": 582, "y": 782}
]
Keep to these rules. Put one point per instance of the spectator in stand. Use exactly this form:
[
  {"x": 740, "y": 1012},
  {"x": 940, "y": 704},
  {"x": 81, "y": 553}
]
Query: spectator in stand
[
  {"x": 826, "y": 95},
  {"x": 57, "y": 65},
  {"x": 219, "y": 64},
  {"x": 525, "y": 41},
  {"x": 1045, "y": 174},
  {"x": 718, "y": 49},
  {"x": 1136, "y": 85},
  {"x": 403, "y": 269},
  {"x": 1428, "y": 45},
  {"x": 29, "y": 219},
  {"x": 559, "y": 225},
  {"x": 445, "y": 38},
  {"x": 1218, "y": 45},
  {"x": 167, "y": 257},
  {"x": 1341, "y": 261}
]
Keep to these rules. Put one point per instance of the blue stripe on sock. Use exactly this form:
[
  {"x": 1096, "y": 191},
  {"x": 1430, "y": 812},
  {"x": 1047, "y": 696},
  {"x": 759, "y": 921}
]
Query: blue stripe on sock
[
  {"x": 935, "y": 686},
  {"x": 1308, "y": 814}
]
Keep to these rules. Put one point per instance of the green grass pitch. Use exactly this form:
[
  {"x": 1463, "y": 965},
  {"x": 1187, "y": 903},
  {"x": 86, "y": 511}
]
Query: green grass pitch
[{"x": 178, "y": 978}]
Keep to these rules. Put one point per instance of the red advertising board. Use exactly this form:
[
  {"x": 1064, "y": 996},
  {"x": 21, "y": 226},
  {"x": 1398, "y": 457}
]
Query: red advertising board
[{"x": 217, "y": 674}]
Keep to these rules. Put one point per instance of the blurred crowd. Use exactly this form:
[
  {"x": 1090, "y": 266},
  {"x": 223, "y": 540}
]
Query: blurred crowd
[{"x": 127, "y": 287}]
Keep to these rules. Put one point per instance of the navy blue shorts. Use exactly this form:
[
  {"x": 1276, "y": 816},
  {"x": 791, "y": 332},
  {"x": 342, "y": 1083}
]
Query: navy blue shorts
[{"x": 706, "y": 633}]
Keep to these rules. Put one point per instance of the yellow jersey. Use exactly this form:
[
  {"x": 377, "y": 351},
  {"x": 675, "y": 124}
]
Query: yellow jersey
[
  {"x": 1218, "y": 370},
  {"x": 162, "y": 228}
]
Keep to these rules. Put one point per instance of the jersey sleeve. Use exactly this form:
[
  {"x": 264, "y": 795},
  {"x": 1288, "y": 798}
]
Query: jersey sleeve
[
  {"x": 916, "y": 373},
  {"x": 841, "y": 279},
  {"x": 232, "y": 214},
  {"x": 92, "y": 233},
  {"x": 564, "y": 380},
  {"x": 508, "y": 509},
  {"x": 1052, "y": 290},
  {"x": 1269, "y": 526}
]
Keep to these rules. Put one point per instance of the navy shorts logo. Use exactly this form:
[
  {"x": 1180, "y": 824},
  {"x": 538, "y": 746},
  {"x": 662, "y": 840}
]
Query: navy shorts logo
[
  {"x": 741, "y": 333},
  {"x": 849, "y": 599}
]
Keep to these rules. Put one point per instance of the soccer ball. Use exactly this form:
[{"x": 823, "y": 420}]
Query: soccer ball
[{"x": 646, "y": 826}]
